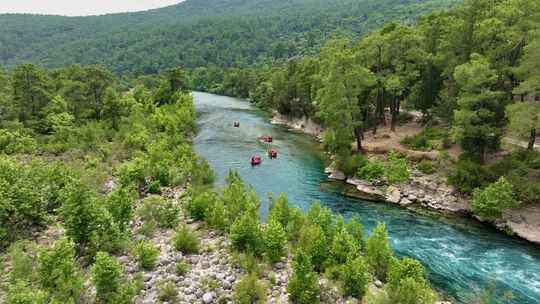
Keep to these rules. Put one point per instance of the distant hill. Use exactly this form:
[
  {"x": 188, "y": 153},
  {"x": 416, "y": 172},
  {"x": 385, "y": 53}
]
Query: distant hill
[{"x": 196, "y": 32}]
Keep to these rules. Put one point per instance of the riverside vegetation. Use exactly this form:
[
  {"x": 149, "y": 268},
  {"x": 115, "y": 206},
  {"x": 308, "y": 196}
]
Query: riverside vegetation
[
  {"x": 471, "y": 72},
  {"x": 97, "y": 181}
]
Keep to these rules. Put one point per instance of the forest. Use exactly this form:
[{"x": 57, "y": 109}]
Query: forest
[
  {"x": 104, "y": 200},
  {"x": 471, "y": 71},
  {"x": 196, "y": 33}
]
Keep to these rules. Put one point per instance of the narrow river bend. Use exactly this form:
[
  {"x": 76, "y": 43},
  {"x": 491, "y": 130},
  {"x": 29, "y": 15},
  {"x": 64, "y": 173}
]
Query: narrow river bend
[{"x": 460, "y": 255}]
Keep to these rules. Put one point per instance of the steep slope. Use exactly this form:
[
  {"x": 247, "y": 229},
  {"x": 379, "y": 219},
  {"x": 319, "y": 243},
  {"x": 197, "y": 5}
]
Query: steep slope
[{"x": 196, "y": 32}]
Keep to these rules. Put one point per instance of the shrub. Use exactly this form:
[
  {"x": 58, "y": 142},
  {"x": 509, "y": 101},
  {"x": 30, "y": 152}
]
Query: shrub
[
  {"x": 350, "y": 164},
  {"x": 16, "y": 142},
  {"x": 343, "y": 247},
  {"x": 20, "y": 293},
  {"x": 275, "y": 240},
  {"x": 164, "y": 212},
  {"x": 250, "y": 290},
  {"x": 398, "y": 169},
  {"x": 246, "y": 233},
  {"x": 279, "y": 210},
  {"x": 426, "y": 167},
  {"x": 356, "y": 230},
  {"x": 373, "y": 170},
  {"x": 313, "y": 242},
  {"x": 216, "y": 216},
  {"x": 405, "y": 268},
  {"x": 186, "y": 241},
  {"x": 120, "y": 205},
  {"x": 200, "y": 204},
  {"x": 23, "y": 258},
  {"x": 182, "y": 268},
  {"x": 411, "y": 291},
  {"x": 146, "y": 255},
  {"x": 106, "y": 276},
  {"x": 468, "y": 175},
  {"x": 378, "y": 252},
  {"x": 167, "y": 292},
  {"x": 303, "y": 287},
  {"x": 58, "y": 273},
  {"x": 203, "y": 173},
  {"x": 417, "y": 142},
  {"x": 494, "y": 199},
  {"x": 355, "y": 277}
]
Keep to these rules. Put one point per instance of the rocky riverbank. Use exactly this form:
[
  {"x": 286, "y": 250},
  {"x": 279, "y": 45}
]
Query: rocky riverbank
[{"x": 422, "y": 190}]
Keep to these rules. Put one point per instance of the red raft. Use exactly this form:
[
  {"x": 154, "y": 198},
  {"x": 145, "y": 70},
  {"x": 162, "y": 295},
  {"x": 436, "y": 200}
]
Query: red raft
[
  {"x": 236, "y": 124},
  {"x": 256, "y": 160},
  {"x": 266, "y": 138},
  {"x": 272, "y": 153}
]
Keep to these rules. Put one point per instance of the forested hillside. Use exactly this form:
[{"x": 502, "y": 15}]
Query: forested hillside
[{"x": 197, "y": 32}]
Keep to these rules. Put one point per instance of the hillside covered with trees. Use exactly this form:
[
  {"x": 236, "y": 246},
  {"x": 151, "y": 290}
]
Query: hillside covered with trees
[{"x": 196, "y": 33}]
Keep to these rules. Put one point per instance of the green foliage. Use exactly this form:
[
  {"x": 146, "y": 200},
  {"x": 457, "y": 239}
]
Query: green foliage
[
  {"x": 182, "y": 268},
  {"x": 314, "y": 243},
  {"x": 163, "y": 211},
  {"x": 343, "y": 247},
  {"x": 167, "y": 292},
  {"x": 414, "y": 292},
  {"x": 30, "y": 193},
  {"x": 468, "y": 175},
  {"x": 106, "y": 276},
  {"x": 12, "y": 142},
  {"x": 280, "y": 210},
  {"x": 250, "y": 290},
  {"x": 479, "y": 107},
  {"x": 275, "y": 240},
  {"x": 246, "y": 234},
  {"x": 378, "y": 252},
  {"x": 372, "y": 171},
  {"x": 397, "y": 170},
  {"x": 355, "y": 277},
  {"x": 58, "y": 273},
  {"x": 494, "y": 199},
  {"x": 350, "y": 164},
  {"x": 146, "y": 255},
  {"x": 120, "y": 205},
  {"x": 426, "y": 167},
  {"x": 186, "y": 241},
  {"x": 200, "y": 204},
  {"x": 303, "y": 287}
]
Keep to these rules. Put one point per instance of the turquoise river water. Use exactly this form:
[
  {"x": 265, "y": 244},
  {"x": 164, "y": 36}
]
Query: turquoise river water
[{"x": 460, "y": 255}]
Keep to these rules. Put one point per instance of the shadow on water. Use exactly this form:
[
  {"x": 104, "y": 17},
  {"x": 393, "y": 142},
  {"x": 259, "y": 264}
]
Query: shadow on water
[{"x": 459, "y": 254}]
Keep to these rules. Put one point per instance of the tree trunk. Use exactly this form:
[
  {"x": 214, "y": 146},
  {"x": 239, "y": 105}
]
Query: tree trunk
[
  {"x": 359, "y": 134},
  {"x": 532, "y": 139}
]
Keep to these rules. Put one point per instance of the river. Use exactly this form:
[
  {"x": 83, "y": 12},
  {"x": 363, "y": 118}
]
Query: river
[{"x": 460, "y": 255}]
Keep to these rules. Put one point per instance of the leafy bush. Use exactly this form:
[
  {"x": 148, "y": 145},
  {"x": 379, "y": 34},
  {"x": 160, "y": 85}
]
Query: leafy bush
[
  {"x": 120, "y": 205},
  {"x": 343, "y": 247},
  {"x": 279, "y": 210},
  {"x": 186, "y": 241},
  {"x": 414, "y": 292},
  {"x": 303, "y": 287},
  {"x": 16, "y": 142},
  {"x": 164, "y": 212},
  {"x": 58, "y": 273},
  {"x": 216, "y": 216},
  {"x": 355, "y": 277},
  {"x": 203, "y": 173},
  {"x": 350, "y": 164},
  {"x": 30, "y": 193},
  {"x": 23, "y": 258},
  {"x": 373, "y": 170},
  {"x": 356, "y": 230},
  {"x": 106, "y": 276},
  {"x": 167, "y": 292},
  {"x": 146, "y": 255},
  {"x": 494, "y": 199},
  {"x": 246, "y": 233},
  {"x": 405, "y": 268},
  {"x": 378, "y": 252},
  {"x": 417, "y": 142},
  {"x": 426, "y": 167},
  {"x": 275, "y": 240},
  {"x": 182, "y": 268},
  {"x": 468, "y": 175},
  {"x": 398, "y": 169},
  {"x": 200, "y": 204},
  {"x": 250, "y": 290},
  {"x": 313, "y": 242}
]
